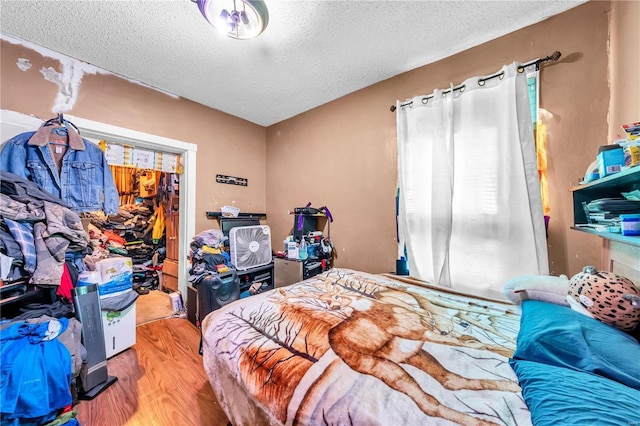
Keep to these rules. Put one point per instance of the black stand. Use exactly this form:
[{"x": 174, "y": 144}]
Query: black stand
[
  {"x": 262, "y": 273},
  {"x": 97, "y": 390}
]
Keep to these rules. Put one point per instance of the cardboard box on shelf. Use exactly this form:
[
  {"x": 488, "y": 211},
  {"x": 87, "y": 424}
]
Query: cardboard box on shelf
[
  {"x": 610, "y": 160},
  {"x": 116, "y": 275}
]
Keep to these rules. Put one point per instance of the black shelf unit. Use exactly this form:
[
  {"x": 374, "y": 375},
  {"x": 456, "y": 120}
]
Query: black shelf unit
[
  {"x": 218, "y": 215},
  {"x": 263, "y": 274},
  {"x": 311, "y": 222}
]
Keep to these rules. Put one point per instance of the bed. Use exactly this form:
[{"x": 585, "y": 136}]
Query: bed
[{"x": 351, "y": 348}]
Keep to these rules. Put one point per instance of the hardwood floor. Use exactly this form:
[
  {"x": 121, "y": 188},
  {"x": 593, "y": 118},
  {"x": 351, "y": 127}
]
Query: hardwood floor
[{"x": 161, "y": 381}]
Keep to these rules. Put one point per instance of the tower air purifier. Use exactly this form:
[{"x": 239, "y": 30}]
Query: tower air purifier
[{"x": 93, "y": 374}]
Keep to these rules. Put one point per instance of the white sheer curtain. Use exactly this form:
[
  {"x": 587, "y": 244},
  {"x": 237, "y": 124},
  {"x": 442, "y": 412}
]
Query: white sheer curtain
[{"x": 470, "y": 212}]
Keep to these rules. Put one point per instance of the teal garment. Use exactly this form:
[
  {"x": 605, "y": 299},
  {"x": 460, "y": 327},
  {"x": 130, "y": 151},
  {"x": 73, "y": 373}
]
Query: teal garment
[
  {"x": 558, "y": 396},
  {"x": 576, "y": 370},
  {"x": 35, "y": 372},
  {"x": 557, "y": 335}
]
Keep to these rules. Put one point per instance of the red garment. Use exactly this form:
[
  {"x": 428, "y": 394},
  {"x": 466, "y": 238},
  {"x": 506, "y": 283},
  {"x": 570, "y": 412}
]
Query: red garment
[
  {"x": 112, "y": 236},
  {"x": 66, "y": 284}
]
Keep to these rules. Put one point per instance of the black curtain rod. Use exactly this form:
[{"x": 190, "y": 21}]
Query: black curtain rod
[{"x": 553, "y": 57}]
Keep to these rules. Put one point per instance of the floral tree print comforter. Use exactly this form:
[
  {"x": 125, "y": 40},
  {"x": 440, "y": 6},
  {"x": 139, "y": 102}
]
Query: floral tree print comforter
[{"x": 347, "y": 347}]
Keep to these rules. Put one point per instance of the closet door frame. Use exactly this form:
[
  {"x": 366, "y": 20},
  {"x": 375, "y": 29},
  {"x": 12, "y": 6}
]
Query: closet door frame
[{"x": 17, "y": 122}]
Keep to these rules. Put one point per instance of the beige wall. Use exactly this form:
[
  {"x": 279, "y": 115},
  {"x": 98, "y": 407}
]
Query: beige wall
[
  {"x": 624, "y": 66},
  {"x": 226, "y": 144},
  {"x": 343, "y": 154}
]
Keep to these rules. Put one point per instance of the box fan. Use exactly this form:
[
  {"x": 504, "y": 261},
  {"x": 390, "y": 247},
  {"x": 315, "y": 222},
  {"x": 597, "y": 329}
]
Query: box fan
[{"x": 250, "y": 246}]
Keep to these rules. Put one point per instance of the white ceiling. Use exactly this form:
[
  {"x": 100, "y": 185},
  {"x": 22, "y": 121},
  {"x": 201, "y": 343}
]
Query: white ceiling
[{"x": 312, "y": 52}]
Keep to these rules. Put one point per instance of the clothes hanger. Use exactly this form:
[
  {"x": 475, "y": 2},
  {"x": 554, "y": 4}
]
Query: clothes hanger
[
  {"x": 60, "y": 121},
  {"x": 62, "y": 129},
  {"x": 58, "y": 143}
]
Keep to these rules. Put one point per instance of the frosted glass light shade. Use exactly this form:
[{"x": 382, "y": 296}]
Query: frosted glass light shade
[{"x": 240, "y": 19}]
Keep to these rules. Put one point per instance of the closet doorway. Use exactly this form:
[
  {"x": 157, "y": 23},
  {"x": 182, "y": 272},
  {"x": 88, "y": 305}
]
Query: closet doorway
[{"x": 13, "y": 123}]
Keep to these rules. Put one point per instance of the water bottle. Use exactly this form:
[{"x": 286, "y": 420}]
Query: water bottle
[{"x": 303, "y": 255}]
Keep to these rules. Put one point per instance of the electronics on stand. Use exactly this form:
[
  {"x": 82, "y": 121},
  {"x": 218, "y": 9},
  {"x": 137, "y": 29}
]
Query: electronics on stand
[
  {"x": 251, "y": 277},
  {"x": 251, "y": 264},
  {"x": 250, "y": 256},
  {"x": 219, "y": 289},
  {"x": 228, "y": 223},
  {"x": 307, "y": 251},
  {"x": 311, "y": 269}
]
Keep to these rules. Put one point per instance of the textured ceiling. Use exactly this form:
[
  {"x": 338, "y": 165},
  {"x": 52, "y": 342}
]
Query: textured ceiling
[{"x": 312, "y": 52}]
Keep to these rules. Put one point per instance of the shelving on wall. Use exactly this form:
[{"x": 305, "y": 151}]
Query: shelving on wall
[{"x": 611, "y": 186}]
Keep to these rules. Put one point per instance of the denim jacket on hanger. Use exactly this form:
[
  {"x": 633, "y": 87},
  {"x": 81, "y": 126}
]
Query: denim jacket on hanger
[{"x": 84, "y": 182}]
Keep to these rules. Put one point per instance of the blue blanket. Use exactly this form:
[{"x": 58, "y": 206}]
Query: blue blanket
[{"x": 575, "y": 370}]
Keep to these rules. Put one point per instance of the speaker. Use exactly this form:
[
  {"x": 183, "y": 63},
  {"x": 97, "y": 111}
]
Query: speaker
[
  {"x": 93, "y": 374},
  {"x": 192, "y": 305},
  {"x": 217, "y": 290}
]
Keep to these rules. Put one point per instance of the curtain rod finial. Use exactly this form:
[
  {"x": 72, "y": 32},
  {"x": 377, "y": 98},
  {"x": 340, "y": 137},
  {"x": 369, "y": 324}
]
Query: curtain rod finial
[{"x": 393, "y": 108}]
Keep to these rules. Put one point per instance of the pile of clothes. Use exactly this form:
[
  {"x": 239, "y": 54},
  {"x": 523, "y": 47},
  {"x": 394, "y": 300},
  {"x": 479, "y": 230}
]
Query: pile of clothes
[
  {"x": 207, "y": 254},
  {"x": 137, "y": 232},
  {"x": 127, "y": 233},
  {"x": 37, "y": 368},
  {"x": 39, "y": 235},
  {"x": 42, "y": 242}
]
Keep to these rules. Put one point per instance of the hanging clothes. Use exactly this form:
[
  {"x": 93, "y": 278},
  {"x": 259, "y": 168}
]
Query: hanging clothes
[
  {"x": 158, "y": 229},
  {"x": 77, "y": 172},
  {"x": 541, "y": 153}
]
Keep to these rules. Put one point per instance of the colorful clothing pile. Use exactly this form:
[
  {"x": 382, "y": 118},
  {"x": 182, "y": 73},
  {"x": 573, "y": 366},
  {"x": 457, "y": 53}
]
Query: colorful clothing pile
[
  {"x": 206, "y": 254},
  {"x": 128, "y": 233},
  {"x": 36, "y": 231}
]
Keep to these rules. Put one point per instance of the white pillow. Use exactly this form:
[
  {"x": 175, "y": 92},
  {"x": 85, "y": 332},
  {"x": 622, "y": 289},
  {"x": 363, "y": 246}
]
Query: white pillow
[
  {"x": 546, "y": 288},
  {"x": 577, "y": 306}
]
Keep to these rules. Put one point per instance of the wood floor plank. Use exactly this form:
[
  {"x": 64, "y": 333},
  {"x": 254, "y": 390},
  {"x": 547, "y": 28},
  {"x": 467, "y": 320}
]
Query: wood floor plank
[
  {"x": 161, "y": 382},
  {"x": 153, "y": 306}
]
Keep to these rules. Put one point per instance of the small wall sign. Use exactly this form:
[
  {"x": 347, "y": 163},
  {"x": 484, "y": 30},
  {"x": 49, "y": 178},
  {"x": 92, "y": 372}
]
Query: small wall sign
[{"x": 232, "y": 180}]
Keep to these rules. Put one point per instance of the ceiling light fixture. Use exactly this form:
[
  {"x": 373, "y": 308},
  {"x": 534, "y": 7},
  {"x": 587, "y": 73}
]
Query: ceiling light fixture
[{"x": 240, "y": 19}]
